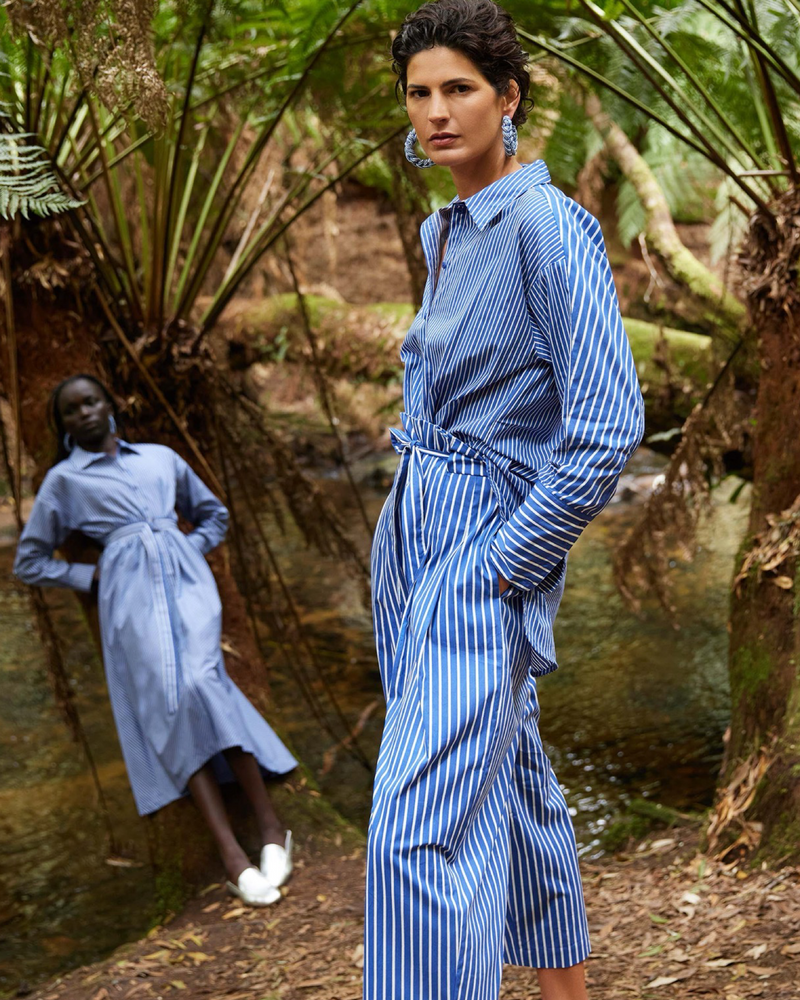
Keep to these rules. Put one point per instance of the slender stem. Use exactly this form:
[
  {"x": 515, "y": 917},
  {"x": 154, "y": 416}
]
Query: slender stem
[
  {"x": 635, "y": 102},
  {"x": 176, "y": 420},
  {"x": 695, "y": 80},
  {"x": 170, "y": 233},
  {"x": 322, "y": 390},
  {"x": 225, "y": 293},
  {"x": 239, "y": 183}
]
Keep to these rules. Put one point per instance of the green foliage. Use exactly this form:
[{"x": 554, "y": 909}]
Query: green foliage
[
  {"x": 722, "y": 80},
  {"x": 267, "y": 105},
  {"x": 28, "y": 185}
]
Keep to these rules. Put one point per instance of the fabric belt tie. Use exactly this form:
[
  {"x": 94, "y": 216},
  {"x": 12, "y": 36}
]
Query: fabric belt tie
[
  {"x": 418, "y": 437},
  {"x": 146, "y": 532}
]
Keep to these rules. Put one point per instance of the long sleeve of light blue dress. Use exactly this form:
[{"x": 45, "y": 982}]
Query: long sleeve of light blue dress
[
  {"x": 43, "y": 534},
  {"x": 200, "y": 507},
  {"x": 574, "y": 305}
]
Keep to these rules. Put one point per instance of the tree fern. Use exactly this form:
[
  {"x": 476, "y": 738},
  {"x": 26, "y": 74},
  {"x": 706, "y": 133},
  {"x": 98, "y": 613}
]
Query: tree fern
[{"x": 28, "y": 185}]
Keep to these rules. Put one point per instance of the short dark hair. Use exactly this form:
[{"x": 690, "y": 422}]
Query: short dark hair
[
  {"x": 479, "y": 29},
  {"x": 57, "y": 421}
]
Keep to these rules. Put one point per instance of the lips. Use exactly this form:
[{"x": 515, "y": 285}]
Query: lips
[{"x": 443, "y": 138}]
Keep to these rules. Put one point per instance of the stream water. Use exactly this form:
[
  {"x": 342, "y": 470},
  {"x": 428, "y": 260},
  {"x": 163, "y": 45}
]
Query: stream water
[{"x": 637, "y": 709}]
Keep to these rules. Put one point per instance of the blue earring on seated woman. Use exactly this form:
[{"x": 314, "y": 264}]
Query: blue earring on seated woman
[{"x": 411, "y": 156}]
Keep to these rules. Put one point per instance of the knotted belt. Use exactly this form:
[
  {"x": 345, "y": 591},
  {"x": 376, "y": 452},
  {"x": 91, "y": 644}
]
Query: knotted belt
[
  {"x": 418, "y": 437},
  {"x": 146, "y": 532}
]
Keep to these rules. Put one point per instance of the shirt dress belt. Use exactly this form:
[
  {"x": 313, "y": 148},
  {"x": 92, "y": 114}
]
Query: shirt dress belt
[
  {"x": 146, "y": 530},
  {"x": 408, "y": 489}
]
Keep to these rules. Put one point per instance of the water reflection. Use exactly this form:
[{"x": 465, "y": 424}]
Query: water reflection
[{"x": 60, "y": 903}]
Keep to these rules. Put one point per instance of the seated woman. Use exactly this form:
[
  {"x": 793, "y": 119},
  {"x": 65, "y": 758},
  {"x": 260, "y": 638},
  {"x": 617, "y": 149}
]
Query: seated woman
[{"x": 182, "y": 723}]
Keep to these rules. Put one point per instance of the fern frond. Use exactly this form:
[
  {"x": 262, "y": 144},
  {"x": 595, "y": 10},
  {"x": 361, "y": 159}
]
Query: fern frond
[{"x": 28, "y": 184}]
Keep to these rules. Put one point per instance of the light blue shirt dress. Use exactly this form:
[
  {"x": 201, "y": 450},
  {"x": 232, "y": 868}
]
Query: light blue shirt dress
[{"x": 160, "y": 614}]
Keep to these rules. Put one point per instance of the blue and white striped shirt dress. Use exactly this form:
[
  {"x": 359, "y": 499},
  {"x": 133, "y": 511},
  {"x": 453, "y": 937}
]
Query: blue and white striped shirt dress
[
  {"x": 174, "y": 705},
  {"x": 522, "y": 407}
]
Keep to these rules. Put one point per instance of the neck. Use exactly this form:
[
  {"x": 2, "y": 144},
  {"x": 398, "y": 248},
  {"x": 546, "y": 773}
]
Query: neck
[
  {"x": 471, "y": 177},
  {"x": 108, "y": 444}
]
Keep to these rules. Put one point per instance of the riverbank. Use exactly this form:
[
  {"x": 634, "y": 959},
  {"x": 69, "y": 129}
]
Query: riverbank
[{"x": 666, "y": 921}]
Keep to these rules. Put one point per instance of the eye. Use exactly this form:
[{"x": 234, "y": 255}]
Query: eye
[
  {"x": 462, "y": 88},
  {"x": 418, "y": 93}
]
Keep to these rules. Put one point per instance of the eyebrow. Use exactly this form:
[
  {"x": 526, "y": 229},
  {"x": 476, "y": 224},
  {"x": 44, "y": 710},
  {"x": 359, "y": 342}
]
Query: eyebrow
[{"x": 447, "y": 83}]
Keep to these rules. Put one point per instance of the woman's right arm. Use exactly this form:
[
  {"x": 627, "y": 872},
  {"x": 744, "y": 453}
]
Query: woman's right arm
[{"x": 34, "y": 563}]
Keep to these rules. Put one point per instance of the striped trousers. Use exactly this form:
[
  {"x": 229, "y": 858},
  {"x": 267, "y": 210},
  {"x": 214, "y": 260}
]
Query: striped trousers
[{"x": 471, "y": 857}]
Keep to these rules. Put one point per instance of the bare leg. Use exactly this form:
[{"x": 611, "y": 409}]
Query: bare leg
[
  {"x": 245, "y": 767},
  {"x": 206, "y": 794},
  {"x": 563, "y": 984}
]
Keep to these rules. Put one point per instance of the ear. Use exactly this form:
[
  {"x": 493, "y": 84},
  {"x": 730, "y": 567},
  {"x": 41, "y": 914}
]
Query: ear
[{"x": 511, "y": 98}]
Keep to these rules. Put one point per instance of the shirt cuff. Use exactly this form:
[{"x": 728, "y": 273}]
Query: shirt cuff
[
  {"x": 80, "y": 576},
  {"x": 538, "y": 536}
]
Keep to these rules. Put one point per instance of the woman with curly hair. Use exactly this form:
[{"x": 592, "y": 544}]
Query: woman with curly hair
[{"x": 521, "y": 409}]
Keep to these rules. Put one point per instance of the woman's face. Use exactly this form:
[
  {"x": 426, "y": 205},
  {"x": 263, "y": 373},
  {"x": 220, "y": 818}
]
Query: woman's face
[
  {"x": 84, "y": 412},
  {"x": 453, "y": 108}
]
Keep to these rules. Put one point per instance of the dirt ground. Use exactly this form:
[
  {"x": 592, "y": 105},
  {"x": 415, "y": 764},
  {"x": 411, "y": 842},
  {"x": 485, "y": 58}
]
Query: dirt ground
[{"x": 666, "y": 922}]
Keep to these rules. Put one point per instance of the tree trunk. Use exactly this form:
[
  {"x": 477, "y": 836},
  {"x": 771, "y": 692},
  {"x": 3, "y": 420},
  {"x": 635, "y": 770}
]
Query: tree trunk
[
  {"x": 53, "y": 333},
  {"x": 763, "y": 752}
]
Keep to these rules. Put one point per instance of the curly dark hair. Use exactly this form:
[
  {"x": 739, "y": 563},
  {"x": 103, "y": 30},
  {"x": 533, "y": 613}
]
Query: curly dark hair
[
  {"x": 479, "y": 29},
  {"x": 54, "y": 412}
]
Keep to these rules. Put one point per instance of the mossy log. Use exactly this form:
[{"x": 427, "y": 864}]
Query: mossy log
[
  {"x": 724, "y": 311},
  {"x": 361, "y": 344}
]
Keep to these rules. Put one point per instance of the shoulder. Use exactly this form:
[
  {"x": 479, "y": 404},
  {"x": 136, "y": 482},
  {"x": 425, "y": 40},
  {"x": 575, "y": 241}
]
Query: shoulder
[
  {"x": 155, "y": 452},
  {"x": 537, "y": 224},
  {"x": 55, "y": 483},
  {"x": 576, "y": 225}
]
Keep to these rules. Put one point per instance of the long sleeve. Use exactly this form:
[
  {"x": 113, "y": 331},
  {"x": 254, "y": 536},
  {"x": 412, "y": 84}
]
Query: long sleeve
[
  {"x": 574, "y": 305},
  {"x": 200, "y": 507},
  {"x": 34, "y": 563}
]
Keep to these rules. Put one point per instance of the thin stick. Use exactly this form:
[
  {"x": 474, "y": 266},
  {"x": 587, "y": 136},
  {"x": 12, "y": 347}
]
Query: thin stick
[
  {"x": 353, "y": 748},
  {"x": 322, "y": 390}
]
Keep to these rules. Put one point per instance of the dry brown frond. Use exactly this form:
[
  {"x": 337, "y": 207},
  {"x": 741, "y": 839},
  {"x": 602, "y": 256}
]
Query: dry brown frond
[
  {"x": 672, "y": 512},
  {"x": 734, "y": 800},
  {"x": 772, "y": 548},
  {"x": 112, "y": 45}
]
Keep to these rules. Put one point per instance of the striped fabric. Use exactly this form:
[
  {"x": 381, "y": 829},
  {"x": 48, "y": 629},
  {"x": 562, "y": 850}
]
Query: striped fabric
[
  {"x": 522, "y": 407},
  {"x": 160, "y": 615},
  {"x": 520, "y": 352}
]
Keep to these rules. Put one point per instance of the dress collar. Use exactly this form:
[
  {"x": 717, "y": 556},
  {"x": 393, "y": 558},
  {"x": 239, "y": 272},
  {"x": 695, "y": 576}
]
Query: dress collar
[
  {"x": 82, "y": 459},
  {"x": 486, "y": 204}
]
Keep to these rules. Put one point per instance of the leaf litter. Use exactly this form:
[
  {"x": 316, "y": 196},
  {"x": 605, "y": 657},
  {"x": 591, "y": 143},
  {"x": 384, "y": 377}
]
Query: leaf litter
[{"x": 667, "y": 923}]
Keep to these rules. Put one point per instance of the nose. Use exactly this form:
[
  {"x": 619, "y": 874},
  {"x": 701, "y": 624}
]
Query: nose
[{"x": 437, "y": 109}]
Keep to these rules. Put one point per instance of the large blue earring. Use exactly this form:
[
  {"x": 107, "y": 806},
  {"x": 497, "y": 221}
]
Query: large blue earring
[
  {"x": 112, "y": 425},
  {"x": 509, "y": 136},
  {"x": 69, "y": 444},
  {"x": 411, "y": 156}
]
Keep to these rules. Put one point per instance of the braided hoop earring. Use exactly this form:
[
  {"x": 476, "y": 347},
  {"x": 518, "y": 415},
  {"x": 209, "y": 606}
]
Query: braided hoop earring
[
  {"x": 411, "y": 156},
  {"x": 69, "y": 444},
  {"x": 509, "y": 136},
  {"x": 112, "y": 425}
]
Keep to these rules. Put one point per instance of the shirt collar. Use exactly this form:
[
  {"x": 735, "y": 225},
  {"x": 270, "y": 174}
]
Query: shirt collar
[
  {"x": 82, "y": 459},
  {"x": 486, "y": 204}
]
